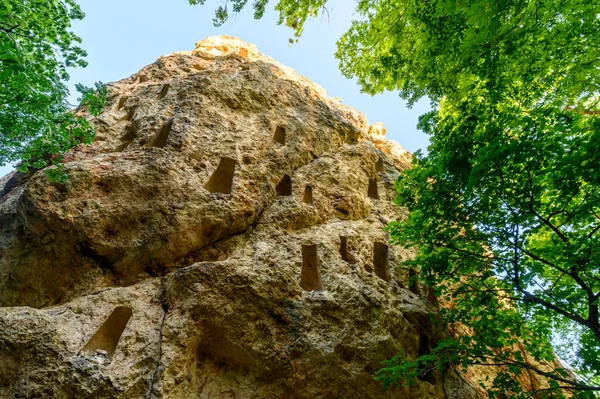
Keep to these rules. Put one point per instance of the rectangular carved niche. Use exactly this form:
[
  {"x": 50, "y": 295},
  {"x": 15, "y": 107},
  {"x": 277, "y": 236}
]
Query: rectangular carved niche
[
  {"x": 221, "y": 180},
  {"x": 108, "y": 336},
  {"x": 160, "y": 140},
  {"x": 413, "y": 282},
  {"x": 373, "y": 191},
  {"x": 379, "y": 167},
  {"x": 121, "y": 103},
  {"x": 381, "y": 261},
  {"x": 284, "y": 187},
  {"x": 432, "y": 297},
  {"x": 279, "y": 135},
  {"x": 130, "y": 113},
  {"x": 345, "y": 251},
  {"x": 310, "y": 278},
  {"x": 424, "y": 350},
  {"x": 308, "y": 195},
  {"x": 163, "y": 92}
]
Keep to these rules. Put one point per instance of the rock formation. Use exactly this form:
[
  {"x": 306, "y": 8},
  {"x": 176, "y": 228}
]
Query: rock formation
[{"x": 224, "y": 237}]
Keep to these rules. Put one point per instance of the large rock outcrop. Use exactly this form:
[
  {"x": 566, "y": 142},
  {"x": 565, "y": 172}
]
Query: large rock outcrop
[{"x": 224, "y": 237}]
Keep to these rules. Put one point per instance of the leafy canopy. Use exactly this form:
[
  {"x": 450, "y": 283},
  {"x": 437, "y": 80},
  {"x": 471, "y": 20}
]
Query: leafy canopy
[
  {"x": 292, "y": 13},
  {"x": 36, "y": 48},
  {"x": 505, "y": 207}
]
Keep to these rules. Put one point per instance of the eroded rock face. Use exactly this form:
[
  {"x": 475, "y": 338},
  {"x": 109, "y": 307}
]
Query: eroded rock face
[{"x": 223, "y": 238}]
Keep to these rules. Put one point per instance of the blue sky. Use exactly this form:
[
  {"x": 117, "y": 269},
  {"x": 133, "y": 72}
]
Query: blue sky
[{"x": 122, "y": 36}]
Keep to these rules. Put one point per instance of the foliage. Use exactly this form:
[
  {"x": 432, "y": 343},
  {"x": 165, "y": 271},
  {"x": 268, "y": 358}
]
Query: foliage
[
  {"x": 505, "y": 207},
  {"x": 36, "y": 48},
  {"x": 292, "y": 13}
]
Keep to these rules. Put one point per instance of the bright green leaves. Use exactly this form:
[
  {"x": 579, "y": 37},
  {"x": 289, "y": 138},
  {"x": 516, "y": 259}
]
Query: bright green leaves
[
  {"x": 292, "y": 13},
  {"x": 504, "y": 210},
  {"x": 93, "y": 98},
  {"x": 507, "y": 189},
  {"x": 404, "y": 371},
  {"x": 36, "y": 48},
  {"x": 437, "y": 48}
]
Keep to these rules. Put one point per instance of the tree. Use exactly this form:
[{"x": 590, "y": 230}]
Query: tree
[
  {"x": 505, "y": 207},
  {"x": 292, "y": 13},
  {"x": 36, "y": 48}
]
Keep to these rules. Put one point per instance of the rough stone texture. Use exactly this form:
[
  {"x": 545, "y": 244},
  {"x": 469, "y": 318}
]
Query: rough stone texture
[{"x": 211, "y": 271}]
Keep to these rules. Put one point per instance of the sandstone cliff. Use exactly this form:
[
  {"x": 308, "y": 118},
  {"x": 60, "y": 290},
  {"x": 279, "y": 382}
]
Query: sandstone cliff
[{"x": 224, "y": 237}]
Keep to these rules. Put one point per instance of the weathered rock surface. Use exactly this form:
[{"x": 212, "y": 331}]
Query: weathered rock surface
[{"x": 223, "y": 238}]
